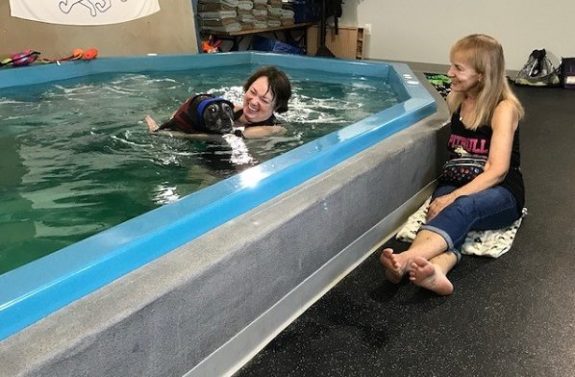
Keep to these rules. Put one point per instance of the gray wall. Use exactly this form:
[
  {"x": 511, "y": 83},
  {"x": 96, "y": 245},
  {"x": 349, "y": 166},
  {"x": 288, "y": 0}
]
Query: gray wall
[
  {"x": 413, "y": 31},
  {"x": 423, "y": 30}
]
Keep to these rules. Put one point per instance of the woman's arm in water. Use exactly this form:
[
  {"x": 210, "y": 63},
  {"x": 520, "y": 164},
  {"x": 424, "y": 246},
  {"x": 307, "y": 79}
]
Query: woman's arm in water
[{"x": 263, "y": 131}]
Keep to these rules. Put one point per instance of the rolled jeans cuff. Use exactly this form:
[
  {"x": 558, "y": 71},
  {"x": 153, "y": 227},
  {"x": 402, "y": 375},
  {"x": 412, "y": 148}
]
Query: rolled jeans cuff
[{"x": 446, "y": 237}]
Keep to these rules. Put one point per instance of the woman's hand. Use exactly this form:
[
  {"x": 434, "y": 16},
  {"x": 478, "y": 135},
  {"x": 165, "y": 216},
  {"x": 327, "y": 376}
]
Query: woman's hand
[{"x": 438, "y": 204}]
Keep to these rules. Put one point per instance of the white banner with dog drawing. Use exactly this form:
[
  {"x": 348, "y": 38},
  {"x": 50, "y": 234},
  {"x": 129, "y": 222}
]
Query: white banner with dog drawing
[{"x": 83, "y": 12}]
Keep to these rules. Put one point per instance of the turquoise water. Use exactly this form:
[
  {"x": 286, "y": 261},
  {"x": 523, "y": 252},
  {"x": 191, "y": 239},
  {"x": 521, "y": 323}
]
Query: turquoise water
[{"x": 76, "y": 158}]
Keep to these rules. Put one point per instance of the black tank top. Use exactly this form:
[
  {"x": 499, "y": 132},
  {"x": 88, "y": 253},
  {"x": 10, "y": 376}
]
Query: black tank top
[{"x": 478, "y": 142}]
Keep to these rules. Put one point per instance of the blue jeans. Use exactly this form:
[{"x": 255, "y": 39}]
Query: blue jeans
[{"x": 493, "y": 208}]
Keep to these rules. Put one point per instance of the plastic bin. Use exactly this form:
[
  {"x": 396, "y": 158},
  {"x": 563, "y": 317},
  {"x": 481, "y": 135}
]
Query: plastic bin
[
  {"x": 568, "y": 72},
  {"x": 260, "y": 43}
]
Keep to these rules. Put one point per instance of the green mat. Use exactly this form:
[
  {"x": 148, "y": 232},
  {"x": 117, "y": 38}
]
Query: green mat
[{"x": 441, "y": 82}]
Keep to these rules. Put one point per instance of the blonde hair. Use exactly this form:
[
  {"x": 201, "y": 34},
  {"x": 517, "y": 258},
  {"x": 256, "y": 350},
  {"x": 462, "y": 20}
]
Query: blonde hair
[{"x": 485, "y": 55}]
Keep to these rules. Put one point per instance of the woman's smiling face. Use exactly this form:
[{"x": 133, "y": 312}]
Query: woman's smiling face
[
  {"x": 259, "y": 101},
  {"x": 464, "y": 78}
]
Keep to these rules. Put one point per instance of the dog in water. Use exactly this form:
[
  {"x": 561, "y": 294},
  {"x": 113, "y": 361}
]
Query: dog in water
[
  {"x": 205, "y": 117},
  {"x": 200, "y": 114}
]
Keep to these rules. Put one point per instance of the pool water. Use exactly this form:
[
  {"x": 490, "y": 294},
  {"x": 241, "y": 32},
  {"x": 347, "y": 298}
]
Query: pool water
[{"x": 76, "y": 157}]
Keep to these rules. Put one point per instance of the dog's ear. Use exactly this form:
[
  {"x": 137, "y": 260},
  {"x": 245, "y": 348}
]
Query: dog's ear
[
  {"x": 229, "y": 104},
  {"x": 199, "y": 98},
  {"x": 195, "y": 109}
]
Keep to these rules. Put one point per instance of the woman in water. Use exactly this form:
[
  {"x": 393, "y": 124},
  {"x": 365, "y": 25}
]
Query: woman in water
[{"x": 266, "y": 91}]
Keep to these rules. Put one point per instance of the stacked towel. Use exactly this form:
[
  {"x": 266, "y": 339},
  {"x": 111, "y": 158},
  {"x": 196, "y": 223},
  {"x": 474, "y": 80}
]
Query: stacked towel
[
  {"x": 247, "y": 21},
  {"x": 261, "y": 24},
  {"x": 245, "y": 5},
  {"x": 214, "y": 7},
  {"x": 236, "y": 15},
  {"x": 228, "y": 26},
  {"x": 231, "y": 3},
  {"x": 225, "y": 20},
  {"x": 274, "y": 12},
  {"x": 274, "y": 8},
  {"x": 219, "y": 15},
  {"x": 260, "y": 13},
  {"x": 245, "y": 16},
  {"x": 274, "y": 23},
  {"x": 287, "y": 17}
]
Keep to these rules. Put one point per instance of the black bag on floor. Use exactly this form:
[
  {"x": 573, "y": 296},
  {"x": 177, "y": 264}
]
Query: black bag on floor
[
  {"x": 568, "y": 72},
  {"x": 538, "y": 71}
]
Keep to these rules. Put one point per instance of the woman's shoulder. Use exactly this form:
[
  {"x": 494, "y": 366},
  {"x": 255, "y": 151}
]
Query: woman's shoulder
[
  {"x": 505, "y": 114},
  {"x": 506, "y": 107}
]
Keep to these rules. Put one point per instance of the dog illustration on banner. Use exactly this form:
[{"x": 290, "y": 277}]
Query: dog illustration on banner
[
  {"x": 82, "y": 12},
  {"x": 94, "y": 6}
]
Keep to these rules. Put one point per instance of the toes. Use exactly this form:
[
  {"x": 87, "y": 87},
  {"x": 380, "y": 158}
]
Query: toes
[
  {"x": 392, "y": 276},
  {"x": 420, "y": 262}
]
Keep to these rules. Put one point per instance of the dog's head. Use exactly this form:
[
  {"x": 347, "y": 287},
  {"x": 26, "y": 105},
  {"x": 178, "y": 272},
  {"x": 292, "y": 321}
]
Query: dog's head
[{"x": 213, "y": 114}]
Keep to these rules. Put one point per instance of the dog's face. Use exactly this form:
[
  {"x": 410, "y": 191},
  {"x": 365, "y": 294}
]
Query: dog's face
[{"x": 218, "y": 117}]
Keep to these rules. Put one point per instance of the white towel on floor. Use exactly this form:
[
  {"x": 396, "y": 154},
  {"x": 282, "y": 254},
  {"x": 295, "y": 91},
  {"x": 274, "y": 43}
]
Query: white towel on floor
[{"x": 489, "y": 243}]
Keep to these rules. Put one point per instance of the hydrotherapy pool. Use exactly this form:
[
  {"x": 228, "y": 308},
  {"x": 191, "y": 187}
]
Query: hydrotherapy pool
[
  {"x": 79, "y": 159},
  {"x": 38, "y": 289}
]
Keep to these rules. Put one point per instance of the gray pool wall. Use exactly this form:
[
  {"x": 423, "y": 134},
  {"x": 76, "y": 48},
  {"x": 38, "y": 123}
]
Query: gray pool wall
[{"x": 207, "y": 306}]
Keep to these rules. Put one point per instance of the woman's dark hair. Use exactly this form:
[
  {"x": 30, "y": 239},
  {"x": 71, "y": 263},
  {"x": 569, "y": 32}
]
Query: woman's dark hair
[{"x": 278, "y": 83}]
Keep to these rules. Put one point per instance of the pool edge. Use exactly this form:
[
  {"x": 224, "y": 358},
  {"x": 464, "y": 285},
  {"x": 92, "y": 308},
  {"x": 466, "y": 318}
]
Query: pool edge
[
  {"x": 112, "y": 320},
  {"x": 67, "y": 279}
]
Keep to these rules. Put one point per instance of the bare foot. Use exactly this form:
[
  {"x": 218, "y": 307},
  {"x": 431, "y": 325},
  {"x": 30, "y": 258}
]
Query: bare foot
[
  {"x": 152, "y": 125},
  {"x": 427, "y": 275},
  {"x": 394, "y": 269}
]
